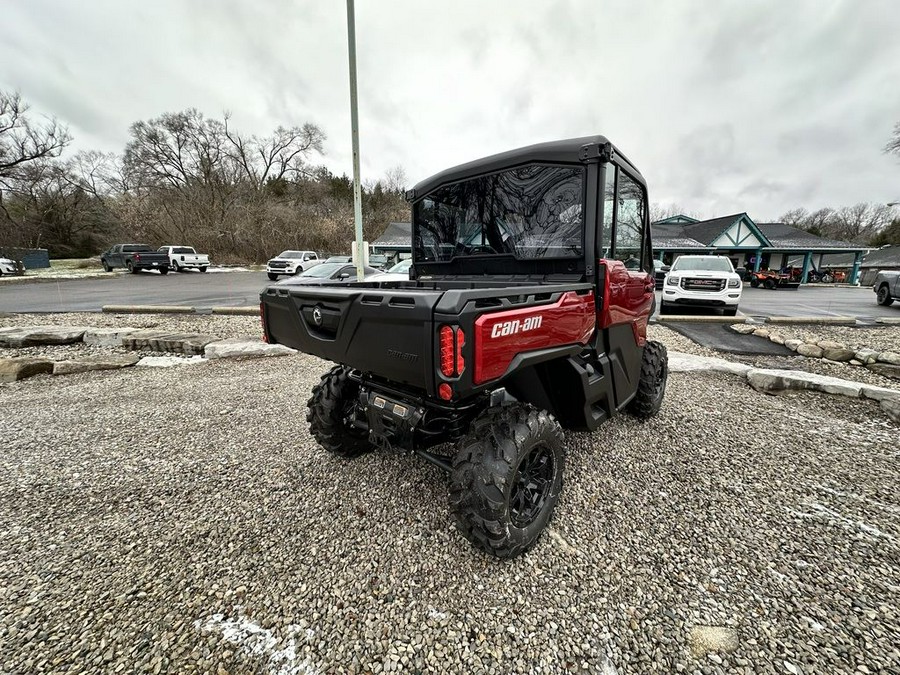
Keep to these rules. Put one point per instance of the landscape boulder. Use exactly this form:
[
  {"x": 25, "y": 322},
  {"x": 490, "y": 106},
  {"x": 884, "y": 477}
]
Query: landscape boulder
[
  {"x": 838, "y": 353},
  {"x": 237, "y": 347},
  {"x": 793, "y": 344},
  {"x": 106, "y": 337},
  {"x": 743, "y": 328},
  {"x": 831, "y": 344},
  {"x": 32, "y": 336},
  {"x": 806, "y": 349},
  {"x": 20, "y": 367},
  {"x": 772, "y": 381},
  {"x": 889, "y": 357},
  {"x": 886, "y": 369},
  {"x": 111, "y": 362}
]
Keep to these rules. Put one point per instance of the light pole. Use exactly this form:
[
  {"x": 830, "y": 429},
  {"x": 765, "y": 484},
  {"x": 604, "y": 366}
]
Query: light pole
[{"x": 354, "y": 130}]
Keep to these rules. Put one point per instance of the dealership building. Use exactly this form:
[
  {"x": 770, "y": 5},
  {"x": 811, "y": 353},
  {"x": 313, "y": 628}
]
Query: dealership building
[{"x": 754, "y": 246}]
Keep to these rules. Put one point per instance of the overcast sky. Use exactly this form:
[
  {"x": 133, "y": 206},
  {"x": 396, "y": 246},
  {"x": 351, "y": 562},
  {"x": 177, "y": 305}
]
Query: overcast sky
[{"x": 724, "y": 106}]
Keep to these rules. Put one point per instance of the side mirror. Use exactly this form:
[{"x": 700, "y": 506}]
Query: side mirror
[{"x": 344, "y": 275}]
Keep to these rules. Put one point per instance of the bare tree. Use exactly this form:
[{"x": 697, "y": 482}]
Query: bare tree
[
  {"x": 662, "y": 211},
  {"x": 893, "y": 145},
  {"x": 861, "y": 222}
]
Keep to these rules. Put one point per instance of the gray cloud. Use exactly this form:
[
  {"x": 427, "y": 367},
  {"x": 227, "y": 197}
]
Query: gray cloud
[{"x": 725, "y": 106}]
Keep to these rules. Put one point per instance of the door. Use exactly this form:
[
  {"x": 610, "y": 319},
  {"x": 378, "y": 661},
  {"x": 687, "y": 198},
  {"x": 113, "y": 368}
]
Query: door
[{"x": 627, "y": 269}]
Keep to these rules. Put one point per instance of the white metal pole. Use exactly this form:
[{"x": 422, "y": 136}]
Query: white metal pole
[{"x": 354, "y": 129}]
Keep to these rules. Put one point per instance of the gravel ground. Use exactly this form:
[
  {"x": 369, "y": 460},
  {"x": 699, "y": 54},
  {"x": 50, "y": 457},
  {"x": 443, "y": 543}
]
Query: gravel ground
[
  {"x": 184, "y": 521},
  {"x": 677, "y": 341}
]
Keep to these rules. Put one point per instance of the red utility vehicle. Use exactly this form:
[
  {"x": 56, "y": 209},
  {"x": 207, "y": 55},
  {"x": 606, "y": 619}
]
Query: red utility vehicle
[{"x": 525, "y": 313}]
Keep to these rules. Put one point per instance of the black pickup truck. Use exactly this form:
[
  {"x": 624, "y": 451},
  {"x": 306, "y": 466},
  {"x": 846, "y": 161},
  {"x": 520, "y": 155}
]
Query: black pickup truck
[
  {"x": 526, "y": 312},
  {"x": 134, "y": 258}
]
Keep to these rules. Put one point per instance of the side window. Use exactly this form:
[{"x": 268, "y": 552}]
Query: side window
[
  {"x": 630, "y": 206},
  {"x": 609, "y": 204}
]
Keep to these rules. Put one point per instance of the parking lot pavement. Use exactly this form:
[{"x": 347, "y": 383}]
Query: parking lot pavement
[{"x": 186, "y": 522}]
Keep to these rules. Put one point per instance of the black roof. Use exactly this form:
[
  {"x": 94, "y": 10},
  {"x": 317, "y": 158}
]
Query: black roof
[
  {"x": 886, "y": 256},
  {"x": 782, "y": 235},
  {"x": 571, "y": 150},
  {"x": 708, "y": 231},
  {"x": 395, "y": 234},
  {"x": 672, "y": 235}
]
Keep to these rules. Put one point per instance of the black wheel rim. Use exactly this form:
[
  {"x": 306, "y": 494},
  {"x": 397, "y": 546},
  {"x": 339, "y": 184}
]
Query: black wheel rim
[
  {"x": 531, "y": 486},
  {"x": 660, "y": 384},
  {"x": 882, "y": 295}
]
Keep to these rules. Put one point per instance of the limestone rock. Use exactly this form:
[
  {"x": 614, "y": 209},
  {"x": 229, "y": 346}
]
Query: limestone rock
[
  {"x": 685, "y": 363},
  {"x": 855, "y": 362},
  {"x": 111, "y": 362},
  {"x": 867, "y": 355},
  {"x": 889, "y": 357},
  {"x": 807, "y": 349},
  {"x": 20, "y": 367},
  {"x": 771, "y": 381},
  {"x": 777, "y": 338},
  {"x": 838, "y": 353},
  {"x": 793, "y": 344},
  {"x": 886, "y": 369},
  {"x": 237, "y": 347},
  {"x": 106, "y": 337},
  {"x": 831, "y": 344},
  {"x": 761, "y": 332},
  {"x": 743, "y": 328},
  {"x": 709, "y": 639},
  {"x": 31, "y": 336}
]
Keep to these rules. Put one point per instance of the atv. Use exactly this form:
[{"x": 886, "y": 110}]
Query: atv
[
  {"x": 772, "y": 279},
  {"x": 525, "y": 314}
]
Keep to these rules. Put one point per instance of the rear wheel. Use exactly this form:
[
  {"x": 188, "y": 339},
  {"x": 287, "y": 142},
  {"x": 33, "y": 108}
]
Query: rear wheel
[
  {"x": 272, "y": 277},
  {"x": 202, "y": 269},
  {"x": 884, "y": 296},
  {"x": 754, "y": 282},
  {"x": 827, "y": 278},
  {"x": 163, "y": 270},
  {"x": 652, "y": 383},
  {"x": 330, "y": 409},
  {"x": 506, "y": 478},
  {"x": 132, "y": 268},
  {"x": 770, "y": 284}
]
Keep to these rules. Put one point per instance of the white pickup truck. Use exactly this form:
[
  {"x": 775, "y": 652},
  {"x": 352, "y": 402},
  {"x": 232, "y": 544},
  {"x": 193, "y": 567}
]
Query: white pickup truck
[
  {"x": 291, "y": 262},
  {"x": 183, "y": 258}
]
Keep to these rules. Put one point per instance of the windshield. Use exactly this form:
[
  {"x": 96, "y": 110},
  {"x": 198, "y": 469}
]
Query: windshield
[
  {"x": 530, "y": 212},
  {"x": 291, "y": 254},
  {"x": 705, "y": 264},
  {"x": 401, "y": 267},
  {"x": 323, "y": 270}
]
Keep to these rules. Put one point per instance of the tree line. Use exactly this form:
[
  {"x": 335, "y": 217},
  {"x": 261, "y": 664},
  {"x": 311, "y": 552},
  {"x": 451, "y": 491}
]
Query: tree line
[
  {"x": 182, "y": 178},
  {"x": 867, "y": 224}
]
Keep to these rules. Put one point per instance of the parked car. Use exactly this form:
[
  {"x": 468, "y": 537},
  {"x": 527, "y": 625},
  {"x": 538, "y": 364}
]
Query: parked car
[
  {"x": 399, "y": 272},
  {"x": 660, "y": 270},
  {"x": 702, "y": 281},
  {"x": 340, "y": 259},
  {"x": 291, "y": 262},
  {"x": 378, "y": 261},
  {"x": 336, "y": 271},
  {"x": 8, "y": 266},
  {"x": 183, "y": 258},
  {"x": 887, "y": 287},
  {"x": 134, "y": 258}
]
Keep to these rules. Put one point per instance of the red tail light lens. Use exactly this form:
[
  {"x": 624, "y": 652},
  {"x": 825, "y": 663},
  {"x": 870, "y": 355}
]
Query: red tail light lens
[
  {"x": 445, "y": 392},
  {"x": 447, "y": 351},
  {"x": 452, "y": 341},
  {"x": 137, "y": 257}
]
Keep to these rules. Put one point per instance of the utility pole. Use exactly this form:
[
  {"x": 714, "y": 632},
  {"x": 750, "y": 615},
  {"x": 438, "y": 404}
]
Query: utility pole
[{"x": 354, "y": 129}]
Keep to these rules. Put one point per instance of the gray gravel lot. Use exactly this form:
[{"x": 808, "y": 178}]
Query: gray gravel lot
[{"x": 182, "y": 520}]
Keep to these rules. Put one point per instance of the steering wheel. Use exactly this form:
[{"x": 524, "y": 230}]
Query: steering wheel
[{"x": 480, "y": 248}]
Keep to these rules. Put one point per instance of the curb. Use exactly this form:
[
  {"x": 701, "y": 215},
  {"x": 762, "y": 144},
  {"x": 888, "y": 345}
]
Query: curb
[
  {"x": 833, "y": 320},
  {"x": 690, "y": 318},
  {"x": 239, "y": 311},
  {"x": 148, "y": 309},
  {"x": 888, "y": 321}
]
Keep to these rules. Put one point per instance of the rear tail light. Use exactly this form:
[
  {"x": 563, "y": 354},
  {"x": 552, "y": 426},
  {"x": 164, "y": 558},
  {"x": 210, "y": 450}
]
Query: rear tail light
[
  {"x": 137, "y": 257},
  {"x": 452, "y": 340}
]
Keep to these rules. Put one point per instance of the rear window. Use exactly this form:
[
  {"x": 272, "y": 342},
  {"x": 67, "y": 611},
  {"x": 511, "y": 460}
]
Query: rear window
[
  {"x": 532, "y": 211},
  {"x": 136, "y": 248},
  {"x": 183, "y": 249}
]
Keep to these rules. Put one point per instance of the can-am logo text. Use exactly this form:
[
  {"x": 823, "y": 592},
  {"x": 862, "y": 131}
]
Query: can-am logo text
[{"x": 516, "y": 326}]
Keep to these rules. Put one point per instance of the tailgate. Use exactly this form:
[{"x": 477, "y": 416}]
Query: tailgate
[{"x": 375, "y": 330}]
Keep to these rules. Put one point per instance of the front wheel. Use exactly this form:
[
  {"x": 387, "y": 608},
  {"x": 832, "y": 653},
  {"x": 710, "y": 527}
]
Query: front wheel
[
  {"x": 106, "y": 267},
  {"x": 331, "y": 408},
  {"x": 272, "y": 277},
  {"x": 827, "y": 278},
  {"x": 769, "y": 284},
  {"x": 730, "y": 311},
  {"x": 652, "y": 381},
  {"x": 884, "y": 296},
  {"x": 506, "y": 478},
  {"x": 754, "y": 282},
  {"x": 176, "y": 267}
]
